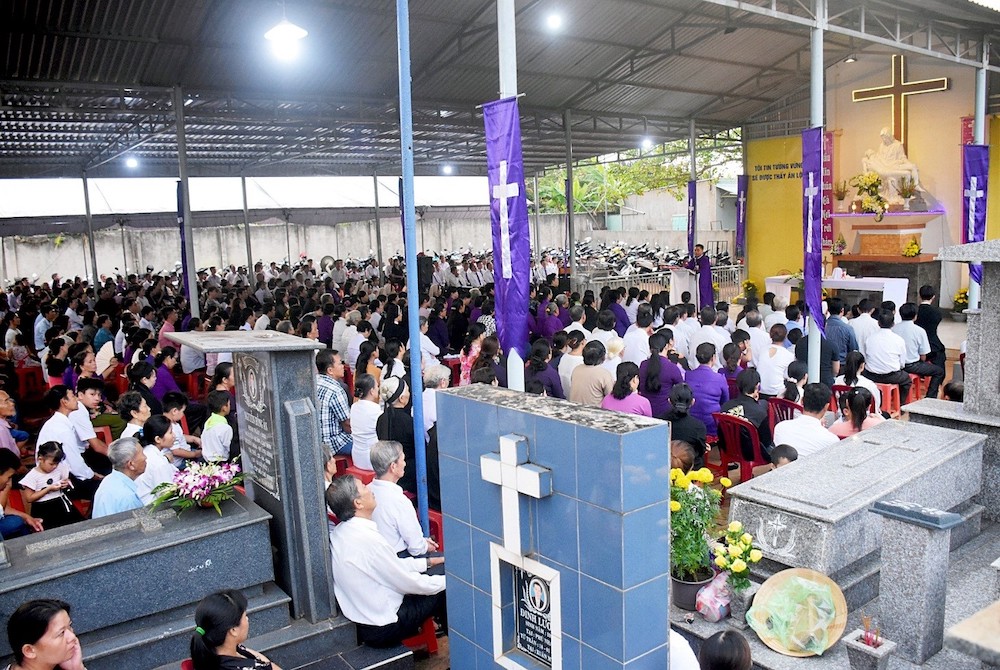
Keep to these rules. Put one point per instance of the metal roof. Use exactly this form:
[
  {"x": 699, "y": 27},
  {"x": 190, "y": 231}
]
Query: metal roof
[{"x": 85, "y": 82}]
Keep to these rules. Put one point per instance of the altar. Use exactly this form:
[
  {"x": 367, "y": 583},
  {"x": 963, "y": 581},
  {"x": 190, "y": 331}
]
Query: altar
[{"x": 891, "y": 288}]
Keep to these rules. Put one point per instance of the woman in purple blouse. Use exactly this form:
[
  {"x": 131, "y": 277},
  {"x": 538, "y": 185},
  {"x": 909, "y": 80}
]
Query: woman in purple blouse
[
  {"x": 658, "y": 374},
  {"x": 538, "y": 369},
  {"x": 625, "y": 395}
]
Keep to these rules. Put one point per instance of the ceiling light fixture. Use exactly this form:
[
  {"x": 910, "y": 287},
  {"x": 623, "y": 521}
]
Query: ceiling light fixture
[
  {"x": 851, "y": 59},
  {"x": 554, "y": 22},
  {"x": 647, "y": 144},
  {"x": 447, "y": 169},
  {"x": 285, "y": 37},
  {"x": 131, "y": 162}
]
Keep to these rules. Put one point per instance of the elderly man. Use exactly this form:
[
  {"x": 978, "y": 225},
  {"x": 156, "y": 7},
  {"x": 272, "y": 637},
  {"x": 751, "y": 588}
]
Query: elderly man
[
  {"x": 386, "y": 596},
  {"x": 394, "y": 514},
  {"x": 117, "y": 492}
]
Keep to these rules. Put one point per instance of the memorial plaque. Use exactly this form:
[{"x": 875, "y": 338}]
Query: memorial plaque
[
  {"x": 258, "y": 440},
  {"x": 533, "y": 619}
]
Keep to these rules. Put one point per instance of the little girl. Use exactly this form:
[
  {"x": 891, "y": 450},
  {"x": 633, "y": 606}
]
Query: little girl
[
  {"x": 22, "y": 357},
  {"x": 157, "y": 438},
  {"x": 45, "y": 488}
]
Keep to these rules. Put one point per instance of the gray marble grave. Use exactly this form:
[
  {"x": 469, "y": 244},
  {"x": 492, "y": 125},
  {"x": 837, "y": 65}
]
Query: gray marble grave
[
  {"x": 980, "y": 412},
  {"x": 814, "y": 512}
]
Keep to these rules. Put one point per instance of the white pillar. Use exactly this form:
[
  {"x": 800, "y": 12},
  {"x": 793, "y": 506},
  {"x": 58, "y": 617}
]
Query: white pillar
[
  {"x": 90, "y": 229},
  {"x": 378, "y": 233},
  {"x": 816, "y": 90},
  {"x": 246, "y": 234},
  {"x": 979, "y": 137},
  {"x": 191, "y": 270}
]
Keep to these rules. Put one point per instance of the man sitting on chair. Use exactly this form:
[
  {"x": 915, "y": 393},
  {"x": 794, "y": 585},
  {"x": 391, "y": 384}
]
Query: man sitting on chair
[
  {"x": 806, "y": 432},
  {"x": 386, "y": 596},
  {"x": 885, "y": 355},
  {"x": 394, "y": 514}
]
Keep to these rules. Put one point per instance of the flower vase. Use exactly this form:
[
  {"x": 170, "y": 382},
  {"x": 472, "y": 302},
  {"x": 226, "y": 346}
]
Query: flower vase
[
  {"x": 840, "y": 205},
  {"x": 958, "y": 316},
  {"x": 684, "y": 595},
  {"x": 739, "y": 604},
  {"x": 906, "y": 204},
  {"x": 864, "y": 657}
]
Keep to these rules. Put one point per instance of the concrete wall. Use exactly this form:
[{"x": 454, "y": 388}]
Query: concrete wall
[{"x": 158, "y": 245}]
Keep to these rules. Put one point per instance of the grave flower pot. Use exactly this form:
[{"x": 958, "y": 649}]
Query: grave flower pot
[
  {"x": 864, "y": 657},
  {"x": 685, "y": 594},
  {"x": 958, "y": 316},
  {"x": 739, "y": 604}
]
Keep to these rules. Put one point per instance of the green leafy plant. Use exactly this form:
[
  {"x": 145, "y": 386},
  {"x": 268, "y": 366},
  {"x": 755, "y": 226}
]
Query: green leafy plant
[{"x": 693, "y": 510}]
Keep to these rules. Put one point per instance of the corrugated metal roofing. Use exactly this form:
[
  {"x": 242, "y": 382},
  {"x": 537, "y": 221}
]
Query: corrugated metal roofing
[{"x": 86, "y": 82}]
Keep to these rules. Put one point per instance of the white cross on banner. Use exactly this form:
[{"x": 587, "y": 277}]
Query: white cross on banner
[
  {"x": 973, "y": 193},
  {"x": 811, "y": 192},
  {"x": 503, "y": 192},
  {"x": 743, "y": 204}
]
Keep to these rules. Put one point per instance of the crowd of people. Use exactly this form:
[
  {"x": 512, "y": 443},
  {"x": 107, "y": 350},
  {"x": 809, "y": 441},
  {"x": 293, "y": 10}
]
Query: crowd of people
[{"x": 123, "y": 408}]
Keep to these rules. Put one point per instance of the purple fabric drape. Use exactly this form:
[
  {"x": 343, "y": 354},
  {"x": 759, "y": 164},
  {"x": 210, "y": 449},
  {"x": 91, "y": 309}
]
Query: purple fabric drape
[
  {"x": 742, "y": 181},
  {"x": 975, "y": 170},
  {"x": 180, "y": 226},
  {"x": 692, "y": 214},
  {"x": 509, "y": 216},
  {"x": 812, "y": 222}
]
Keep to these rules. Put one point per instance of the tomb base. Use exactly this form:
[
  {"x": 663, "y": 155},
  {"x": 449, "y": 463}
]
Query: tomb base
[{"x": 954, "y": 415}]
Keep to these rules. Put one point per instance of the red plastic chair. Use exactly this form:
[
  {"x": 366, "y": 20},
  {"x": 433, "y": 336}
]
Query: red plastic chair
[
  {"x": 104, "y": 432},
  {"x": 890, "y": 398},
  {"x": 187, "y": 664},
  {"x": 436, "y": 523},
  {"x": 731, "y": 431},
  {"x": 120, "y": 380},
  {"x": 15, "y": 500},
  {"x": 366, "y": 476},
  {"x": 195, "y": 385},
  {"x": 918, "y": 387},
  {"x": 780, "y": 409},
  {"x": 30, "y": 384},
  {"x": 427, "y": 637}
]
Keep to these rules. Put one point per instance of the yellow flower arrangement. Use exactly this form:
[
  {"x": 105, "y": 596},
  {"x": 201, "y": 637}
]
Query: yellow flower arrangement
[
  {"x": 912, "y": 249},
  {"x": 738, "y": 553},
  {"x": 961, "y": 300},
  {"x": 693, "y": 510}
]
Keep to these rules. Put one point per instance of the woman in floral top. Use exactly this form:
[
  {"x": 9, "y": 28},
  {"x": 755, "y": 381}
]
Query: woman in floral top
[{"x": 470, "y": 352}]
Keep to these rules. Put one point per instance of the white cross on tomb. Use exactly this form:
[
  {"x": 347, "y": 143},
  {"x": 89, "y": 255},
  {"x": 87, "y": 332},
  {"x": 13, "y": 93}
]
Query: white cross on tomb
[
  {"x": 811, "y": 192},
  {"x": 511, "y": 470},
  {"x": 973, "y": 193},
  {"x": 502, "y": 192}
]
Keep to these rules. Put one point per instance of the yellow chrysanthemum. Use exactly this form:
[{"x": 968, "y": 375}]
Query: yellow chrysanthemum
[
  {"x": 705, "y": 475},
  {"x": 739, "y": 565},
  {"x": 722, "y": 562},
  {"x": 675, "y": 506},
  {"x": 735, "y": 527},
  {"x": 682, "y": 481},
  {"x": 725, "y": 481},
  {"x": 735, "y": 550},
  {"x": 746, "y": 538},
  {"x": 756, "y": 555}
]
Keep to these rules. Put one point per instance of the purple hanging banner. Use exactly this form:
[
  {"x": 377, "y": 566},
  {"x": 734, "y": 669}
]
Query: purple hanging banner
[
  {"x": 975, "y": 169},
  {"x": 742, "y": 181},
  {"x": 812, "y": 223},
  {"x": 692, "y": 214},
  {"x": 509, "y": 216},
  {"x": 180, "y": 226}
]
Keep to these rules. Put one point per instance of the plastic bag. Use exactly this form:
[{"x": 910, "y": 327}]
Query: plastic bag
[
  {"x": 713, "y": 599},
  {"x": 798, "y": 616}
]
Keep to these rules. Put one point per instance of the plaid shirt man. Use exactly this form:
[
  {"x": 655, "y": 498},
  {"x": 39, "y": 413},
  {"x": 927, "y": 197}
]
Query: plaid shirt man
[{"x": 334, "y": 409}]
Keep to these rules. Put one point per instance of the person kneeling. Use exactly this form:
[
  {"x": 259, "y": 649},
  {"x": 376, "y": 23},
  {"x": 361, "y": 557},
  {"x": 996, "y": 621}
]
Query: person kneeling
[{"x": 386, "y": 596}]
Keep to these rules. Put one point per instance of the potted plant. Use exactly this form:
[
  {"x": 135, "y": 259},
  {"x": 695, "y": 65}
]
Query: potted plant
[
  {"x": 199, "y": 485},
  {"x": 960, "y": 303},
  {"x": 912, "y": 249},
  {"x": 907, "y": 191},
  {"x": 693, "y": 510},
  {"x": 840, "y": 195},
  {"x": 867, "y": 649},
  {"x": 749, "y": 290},
  {"x": 839, "y": 245}
]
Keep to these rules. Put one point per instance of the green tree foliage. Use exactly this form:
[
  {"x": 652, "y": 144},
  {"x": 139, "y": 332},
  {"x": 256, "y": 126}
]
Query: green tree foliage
[{"x": 600, "y": 186}]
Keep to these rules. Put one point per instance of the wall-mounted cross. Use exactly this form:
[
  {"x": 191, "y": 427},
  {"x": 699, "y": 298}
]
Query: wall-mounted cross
[
  {"x": 898, "y": 91},
  {"x": 511, "y": 470}
]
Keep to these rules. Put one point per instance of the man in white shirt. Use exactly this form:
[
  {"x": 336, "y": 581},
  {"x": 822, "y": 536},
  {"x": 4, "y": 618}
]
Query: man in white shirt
[
  {"x": 388, "y": 597},
  {"x": 264, "y": 320},
  {"x": 579, "y": 315},
  {"x": 64, "y": 430},
  {"x": 918, "y": 347},
  {"x": 773, "y": 363},
  {"x": 394, "y": 514},
  {"x": 707, "y": 333},
  {"x": 760, "y": 340},
  {"x": 337, "y": 273},
  {"x": 777, "y": 315},
  {"x": 637, "y": 340},
  {"x": 864, "y": 325},
  {"x": 885, "y": 355},
  {"x": 806, "y": 432}
]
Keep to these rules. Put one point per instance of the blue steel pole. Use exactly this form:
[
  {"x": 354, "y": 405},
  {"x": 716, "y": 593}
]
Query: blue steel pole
[{"x": 410, "y": 245}]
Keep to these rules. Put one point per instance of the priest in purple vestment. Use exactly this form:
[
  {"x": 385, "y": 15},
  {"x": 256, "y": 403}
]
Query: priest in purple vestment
[{"x": 703, "y": 268}]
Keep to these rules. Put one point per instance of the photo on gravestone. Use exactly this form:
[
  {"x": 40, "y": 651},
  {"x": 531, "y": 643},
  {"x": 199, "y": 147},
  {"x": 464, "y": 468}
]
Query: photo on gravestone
[
  {"x": 533, "y": 618},
  {"x": 258, "y": 441}
]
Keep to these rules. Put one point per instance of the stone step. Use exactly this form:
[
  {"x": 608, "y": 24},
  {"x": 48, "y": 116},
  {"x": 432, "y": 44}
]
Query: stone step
[
  {"x": 971, "y": 526},
  {"x": 165, "y": 637},
  {"x": 327, "y": 645}
]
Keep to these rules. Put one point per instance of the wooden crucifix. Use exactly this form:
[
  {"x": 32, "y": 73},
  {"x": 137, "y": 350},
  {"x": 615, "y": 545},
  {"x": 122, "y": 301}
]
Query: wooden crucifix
[{"x": 899, "y": 90}]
